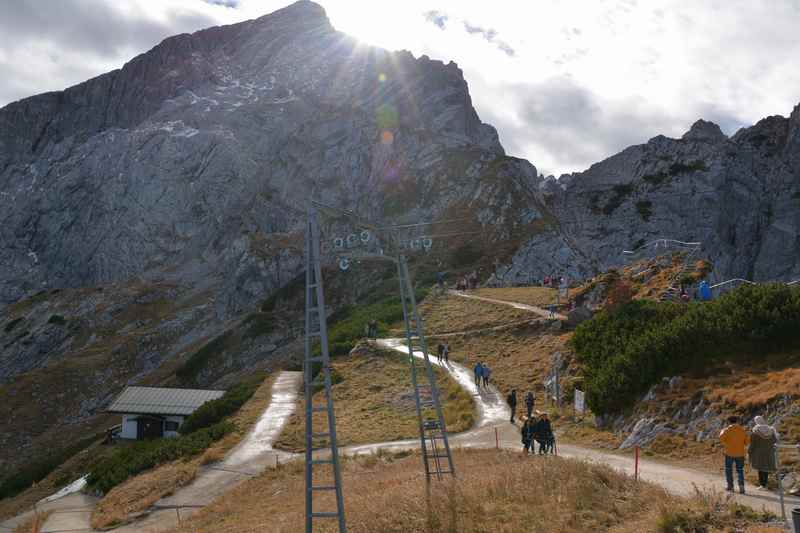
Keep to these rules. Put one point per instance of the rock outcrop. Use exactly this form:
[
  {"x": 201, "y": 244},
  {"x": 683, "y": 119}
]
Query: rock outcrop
[{"x": 739, "y": 197}]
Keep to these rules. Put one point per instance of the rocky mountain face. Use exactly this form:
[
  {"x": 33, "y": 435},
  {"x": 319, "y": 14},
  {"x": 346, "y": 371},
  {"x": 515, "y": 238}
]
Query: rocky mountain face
[
  {"x": 145, "y": 212},
  {"x": 738, "y": 196},
  {"x": 192, "y": 160}
]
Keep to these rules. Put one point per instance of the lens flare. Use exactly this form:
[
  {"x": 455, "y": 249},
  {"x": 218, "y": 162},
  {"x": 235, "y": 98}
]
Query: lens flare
[{"x": 386, "y": 117}]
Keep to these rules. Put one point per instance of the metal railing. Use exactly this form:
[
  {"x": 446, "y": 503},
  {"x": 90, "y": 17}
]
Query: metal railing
[{"x": 780, "y": 477}]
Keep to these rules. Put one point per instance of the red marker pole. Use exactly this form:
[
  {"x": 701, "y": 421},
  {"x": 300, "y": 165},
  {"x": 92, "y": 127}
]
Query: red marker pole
[{"x": 636, "y": 461}]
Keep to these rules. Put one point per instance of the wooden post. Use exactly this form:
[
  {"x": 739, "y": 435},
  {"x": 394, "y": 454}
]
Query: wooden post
[
  {"x": 636, "y": 463},
  {"x": 496, "y": 439}
]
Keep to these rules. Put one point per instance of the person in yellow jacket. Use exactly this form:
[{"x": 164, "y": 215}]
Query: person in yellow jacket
[{"x": 734, "y": 439}]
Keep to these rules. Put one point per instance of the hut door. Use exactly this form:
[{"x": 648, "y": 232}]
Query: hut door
[{"x": 149, "y": 428}]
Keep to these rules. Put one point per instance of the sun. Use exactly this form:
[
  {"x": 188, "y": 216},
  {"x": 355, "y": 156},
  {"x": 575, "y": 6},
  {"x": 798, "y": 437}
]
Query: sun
[{"x": 374, "y": 23}]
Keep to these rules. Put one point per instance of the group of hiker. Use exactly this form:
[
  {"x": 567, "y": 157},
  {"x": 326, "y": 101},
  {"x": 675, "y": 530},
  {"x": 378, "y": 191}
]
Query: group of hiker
[
  {"x": 534, "y": 428},
  {"x": 482, "y": 374},
  {"x": 758, "y": 444},
  {"x": 468, "y": 282},
  {"x": 538, "y": 429}
]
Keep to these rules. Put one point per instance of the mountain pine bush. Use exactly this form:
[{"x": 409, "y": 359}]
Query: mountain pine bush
[{"x": 626, "y": 351}]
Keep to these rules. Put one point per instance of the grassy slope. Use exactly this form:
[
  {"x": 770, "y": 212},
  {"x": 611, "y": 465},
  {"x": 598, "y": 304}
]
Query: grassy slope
[
  {"x": 499, "y": 492},
  {"x": 452, "y": 314},
  {"x": 519, "y": 356},
  {"x": 537, "y": 296},
  {"x": 374, "y": 402},
  {"x": 140, "y": 492}
]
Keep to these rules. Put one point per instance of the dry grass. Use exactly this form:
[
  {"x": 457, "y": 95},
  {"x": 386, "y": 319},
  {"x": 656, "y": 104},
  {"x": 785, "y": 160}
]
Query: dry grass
[
  {"x": 536, "y": 296},
  {"x": 374, "y": 401},
  {"x": 519, "y": 358},
  {"x": 452, "y": 314},
  {"x": 139, "y": 493},
  {"x": 33, "y": 524},
  {"x": 496, "y": 491}
]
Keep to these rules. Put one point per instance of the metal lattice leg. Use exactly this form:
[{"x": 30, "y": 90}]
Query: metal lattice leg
[
  {"x": 435, "y": 447},
  {"x": 318, "y": 443}
]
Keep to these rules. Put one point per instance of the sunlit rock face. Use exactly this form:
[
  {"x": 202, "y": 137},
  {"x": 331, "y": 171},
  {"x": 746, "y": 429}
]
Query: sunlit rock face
[
  {"x": 195, "y": 160},
  {"x": 738, "y": 196}
]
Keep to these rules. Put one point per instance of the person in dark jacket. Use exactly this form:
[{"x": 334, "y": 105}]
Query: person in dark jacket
[
  {"x": 527, "y": 434},
  {"x": 544, "y": 434},
  {"x": 761, "y": 450},
  {"x": 478, "y": 374},
  {"x": 512, "y": 403},
  {"x": 446, "y": 353},
  {"x": 529, "y": 403},
  {"x": 439, "y": 352}
]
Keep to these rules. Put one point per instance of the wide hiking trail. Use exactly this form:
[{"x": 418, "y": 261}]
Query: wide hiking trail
[{"x": 544, "y": 313}]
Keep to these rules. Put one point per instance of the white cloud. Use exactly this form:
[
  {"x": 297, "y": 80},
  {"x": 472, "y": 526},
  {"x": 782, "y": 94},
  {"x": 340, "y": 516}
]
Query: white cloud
[{"x": 566, "y": 83}]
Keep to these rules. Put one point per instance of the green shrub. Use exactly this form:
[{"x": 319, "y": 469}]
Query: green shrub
[
  {"x": 293, "y": 289},
  {"x": 627, "y": 351},
  {"x": 198, "y": 360},
  {"x": 258, "y": 324},
  {"x": 466, "y": 254},
  {"x": 58, "y": 320},
  {"x": 111, "y": 470},
  {"x": 675, "y": 169},
  {"x": 348, "y": 323},
  {"x": 11, "y": 325},
  {"x": 645, "y": 209},
  {"x": 621, "y": 192},
  {"x": 37, "y": 471},
  {"x": 678, "y": 168},
  {"x": 213, "y": 411}
]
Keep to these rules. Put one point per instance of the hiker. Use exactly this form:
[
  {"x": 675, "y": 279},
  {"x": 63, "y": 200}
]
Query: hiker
[
  {"x": 529, "y": 403},
  {"x": 446, "y": 353},
  {"x": 373, "y": 329},
  {"x": 544, "y": 434},
  {"x": 478, "y": 373},
  {"x": 440, "y": 281},
  {"x": 512, "y": 403},
  {"x": 761, "y": 451},
  {"x": 487, "y": 373},
  {"x": 552, "y": 309},
  {"x": 439, "y": 352},
  {"x": 527, "y": 434},
  {"x": 473, "y": 280},
  {"x": 734, "y": 439}
]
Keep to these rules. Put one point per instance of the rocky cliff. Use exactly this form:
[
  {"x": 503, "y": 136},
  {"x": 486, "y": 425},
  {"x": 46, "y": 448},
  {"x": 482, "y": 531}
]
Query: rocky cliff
[
  {"x": 192, "y": 158},
  {"x": 738, "y": 196}
]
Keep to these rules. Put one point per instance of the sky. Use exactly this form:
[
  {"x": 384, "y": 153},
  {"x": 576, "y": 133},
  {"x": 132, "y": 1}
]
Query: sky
[{"x": 566, "y": 83}]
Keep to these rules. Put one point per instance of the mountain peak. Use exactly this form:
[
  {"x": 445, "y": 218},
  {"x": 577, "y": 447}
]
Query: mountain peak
[
  {"x": 704, "y": 131},
  {"x": 302, "y": 8}
]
